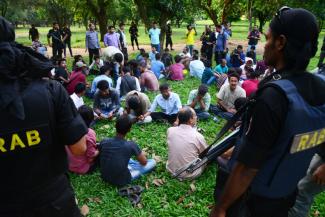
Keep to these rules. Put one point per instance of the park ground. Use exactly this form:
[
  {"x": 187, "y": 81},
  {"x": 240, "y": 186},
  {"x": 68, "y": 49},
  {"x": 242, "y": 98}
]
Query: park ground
[{"x": 171, "y": 198}]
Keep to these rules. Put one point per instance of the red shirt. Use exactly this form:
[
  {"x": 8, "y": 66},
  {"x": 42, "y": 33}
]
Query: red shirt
[
  {"x": 75, "y": 78},
  {"x": 250, "y": 86},
  {"x": 176, "y": 71}
]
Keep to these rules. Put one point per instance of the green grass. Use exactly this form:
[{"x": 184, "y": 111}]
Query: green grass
[{"x": 156, "y": 201}]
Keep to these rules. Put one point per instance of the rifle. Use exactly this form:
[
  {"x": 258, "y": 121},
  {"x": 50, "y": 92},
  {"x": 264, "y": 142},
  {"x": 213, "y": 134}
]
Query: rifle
[{"x": 212, "y": 153}]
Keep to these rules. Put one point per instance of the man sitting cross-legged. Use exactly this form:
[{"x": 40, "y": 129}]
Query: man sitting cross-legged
[
  {"x": 200, "y": 100},
  {"x": 169, "y": 103},
  {"x": 184, "y": 143},
  {"x": 137, "y": 105},
  {"x": 116, "y": 165},
  {"x": 106, "y": 101},
  {"x": 226, "y": 97}
]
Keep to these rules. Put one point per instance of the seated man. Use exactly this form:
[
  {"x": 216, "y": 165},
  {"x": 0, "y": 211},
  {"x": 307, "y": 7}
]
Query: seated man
[
  {"x": 158, "y": 67},
  {"x": 176, "y": 70},
  {"x": 226, "y": 97},
  {"x": 169, "y": 103},
  {"x": 196, "y": 67},
  {"x": 200, "y": 101},
  {"x": 184, "y": 144},
  {"x": 116, "y": 165},
  {"x": 148, "y": 80},
  {"x": 137, "y": 105},
  {"x": 237, "y": 57},
  {"x": 167, "y": 58},
  {"x": 152, "y": 54},
  {"x": 220, "y": 71},
  {"x": 127, "y": 82},
  {"x": 106, "y": 101},
  {"x": 79, "y": 92},
  {"x": 97, "y": 63},
  {"x": 104, "y": 74}
]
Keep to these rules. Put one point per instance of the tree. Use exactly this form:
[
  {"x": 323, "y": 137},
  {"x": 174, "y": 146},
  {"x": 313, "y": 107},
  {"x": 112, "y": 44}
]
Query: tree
[
  {"x": 211, "y": 7},
  {"x": 99, "y": 9},
  {"x": 264, "y": 10}
]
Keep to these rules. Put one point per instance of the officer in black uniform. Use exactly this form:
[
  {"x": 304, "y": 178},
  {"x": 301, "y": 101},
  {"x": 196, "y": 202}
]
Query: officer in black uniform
[
  {"x": 37, "y": 120},
  {"x": 283, "y": 129}
]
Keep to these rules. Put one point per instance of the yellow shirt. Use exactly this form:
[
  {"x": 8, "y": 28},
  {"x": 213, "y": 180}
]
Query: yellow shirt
[{"x": 190, "y": 37}]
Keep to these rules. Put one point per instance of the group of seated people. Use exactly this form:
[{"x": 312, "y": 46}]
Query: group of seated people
[{"x": 117, "y": 79}]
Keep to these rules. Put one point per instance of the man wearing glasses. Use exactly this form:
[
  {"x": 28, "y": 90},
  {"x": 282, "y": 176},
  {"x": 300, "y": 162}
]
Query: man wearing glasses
[{"x": 285, "y": 127}]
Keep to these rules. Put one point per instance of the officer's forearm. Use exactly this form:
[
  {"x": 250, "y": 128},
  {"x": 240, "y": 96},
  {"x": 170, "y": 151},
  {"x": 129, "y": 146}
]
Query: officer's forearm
[
  {"x": 237, "y": 183},
  {"x": 80, "y": 147}
]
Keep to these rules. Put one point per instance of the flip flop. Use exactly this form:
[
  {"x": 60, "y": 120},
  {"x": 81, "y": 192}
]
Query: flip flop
[
  {"x": 134, "y": 199},
  {"x": 126, "y": 191}
]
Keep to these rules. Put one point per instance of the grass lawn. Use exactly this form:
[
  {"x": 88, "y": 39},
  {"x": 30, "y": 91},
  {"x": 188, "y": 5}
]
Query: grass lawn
[{"x": 103, "y": 199}]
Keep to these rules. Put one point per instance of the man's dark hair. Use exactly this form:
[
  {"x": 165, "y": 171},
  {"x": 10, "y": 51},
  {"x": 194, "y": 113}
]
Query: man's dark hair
[
  {"x": 207, "y": 63},
  {"x": 218, "y": 26},
  {"x": 166, "y": 49},
  {"x": 233, "y": 75},
  {"x": 110, "y": 27},
  {"x": 195, "y": 57},
  {"x": 103, "y": 85},
  {"x": 118, "y": 57},
  {"x": 239, "y": 46},
  {"x": 87, "y": 114},
  {"x": 164, "y": 86},
  {"x": 142, "y": 51},
  {"x": 239, "y": 102},
  {"x": 123, "y": 124},
  {"x": 134, "y": 102},
  {"x": 54, "y": 23},
  {"x": 195, "y": 52},
  {"x": 96, "y": 57},
  {"x": 154, "y": 22},
  {"x": 80, "y": 87},
  {"x": 157, "y": 56},
  {"x": 146, "y": 55},
  {"x": 121, "y": 24},
  {"x": 126, "y": 69},
  {"x": 105, "y": 68},
  {"x": 203, "y": 89},
  {"x": 177, "y": 58},
  {"x": 61, "y": 60},
  {"x": 184, "y": 115}
]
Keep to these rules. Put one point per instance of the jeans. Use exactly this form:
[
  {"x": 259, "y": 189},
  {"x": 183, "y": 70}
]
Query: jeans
[
  {"x": 212, "y": 80},
  {"x": 169, "y": 41},
  {"x": 157, "y": 46},
  {"x": 218, "y": 111},
  {"x": 136, "y": 169},
  {"x": 56, "y": 50},
  {"x": 307, "y": 190},
  {"x": 190, "y": 47},
  {"x": 202, "y": 115},
  {"x": 218, "y": 55}
]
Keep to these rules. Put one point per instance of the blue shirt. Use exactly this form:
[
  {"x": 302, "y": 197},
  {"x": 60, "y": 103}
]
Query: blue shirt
[
  {"x": 154, "y": 35},
  {"x": 236, "y": 62},
  {"x": 168, "y": 106},
  {"x": 92, "y": 41},
  {"x": 98, "y": 79},
  {"x": 152, "y": 56},
  {"x": 157, "y": 66},
  {"x": 221, "y": 69},
  {"x": 221, "y": 42}
]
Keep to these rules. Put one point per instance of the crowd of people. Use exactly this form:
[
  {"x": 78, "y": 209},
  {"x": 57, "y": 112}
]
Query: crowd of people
[{"x": 117, "y": 78}]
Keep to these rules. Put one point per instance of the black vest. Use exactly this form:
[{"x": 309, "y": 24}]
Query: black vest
[{"x": 128, "y": 84}]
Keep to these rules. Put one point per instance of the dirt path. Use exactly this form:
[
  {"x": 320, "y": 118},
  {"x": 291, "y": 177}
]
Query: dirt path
[{"x": 178, "y": 47}]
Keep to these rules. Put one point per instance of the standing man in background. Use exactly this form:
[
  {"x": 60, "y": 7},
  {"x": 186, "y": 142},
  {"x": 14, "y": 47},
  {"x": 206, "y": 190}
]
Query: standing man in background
[
  {"x": 92, "y": 43},
  {"x": 57, "y": 44},
  {"x": 154, "y": 34},
  {"x": 66, "y": 34},
  {"x": 169, "y": 33},
  {"x": 134, "y": 35},
  {"x": 191, "y": 32},
  {"x": 33, "y": 33}
]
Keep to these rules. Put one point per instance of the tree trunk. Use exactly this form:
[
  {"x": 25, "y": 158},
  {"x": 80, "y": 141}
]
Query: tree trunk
[
  {"x": 102, "y": 23},
  {"x": 249, "y": 10},
  {"x": 262, "y": 21},
  {"x": 225, "y": 10},
  {"x": 162, "y": 23}
]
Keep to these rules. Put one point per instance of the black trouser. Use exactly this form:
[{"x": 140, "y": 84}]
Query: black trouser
[
  {"x": 169, "y": 41},
  {"x": 62, "y": 205},
  {"x": 67, "y": 43},
  {"x": 92, "y": 52},
  {"x": 218, "y": 55},
  {"x": 207, "y": 49},
  {"x": 251, "y": 205},
  {"x": 134, "y": 38},
  {"x": 158, "y": 116},
  {"x": 56, "y": 50}
]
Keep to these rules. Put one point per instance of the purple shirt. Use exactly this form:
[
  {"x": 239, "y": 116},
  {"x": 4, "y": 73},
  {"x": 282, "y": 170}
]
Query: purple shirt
[
  {"x": 112, "y": 40},
  {"x": 176, "y": 71}
]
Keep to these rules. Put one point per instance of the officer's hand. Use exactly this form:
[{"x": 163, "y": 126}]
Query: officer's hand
[
  {"x": 319, "y": 175},
  {"x": 217, "y": 212}
]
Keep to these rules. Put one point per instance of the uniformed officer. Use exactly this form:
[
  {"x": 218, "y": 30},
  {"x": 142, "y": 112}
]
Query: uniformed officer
[
  {"x": 37, "y": 119},
  {"x": 286, "y": 125}
]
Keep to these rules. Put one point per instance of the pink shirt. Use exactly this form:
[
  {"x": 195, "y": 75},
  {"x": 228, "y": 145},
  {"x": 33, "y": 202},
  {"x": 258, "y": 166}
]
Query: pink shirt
[
  {"x": 149, "y": 80},
  {"x": 81, "y": 164},
  {"x": 176, "y": 71},
  {"x": 250, "y": 86}
]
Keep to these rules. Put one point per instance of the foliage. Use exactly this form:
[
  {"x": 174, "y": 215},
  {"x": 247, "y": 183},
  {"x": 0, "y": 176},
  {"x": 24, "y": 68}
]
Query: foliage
[{"x": 264, "y": 10}]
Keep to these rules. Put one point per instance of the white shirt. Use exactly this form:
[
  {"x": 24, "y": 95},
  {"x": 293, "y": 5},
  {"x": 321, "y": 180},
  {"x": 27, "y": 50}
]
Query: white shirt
[
  {"x": 78, "y": 101},
  {"x": 196, "y": 68}
]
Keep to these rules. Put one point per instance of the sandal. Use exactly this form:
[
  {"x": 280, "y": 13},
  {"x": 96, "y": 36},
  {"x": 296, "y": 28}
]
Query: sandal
[
  {"x": 127, "y": 191},
  {"x": 134, "y": 199}
]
